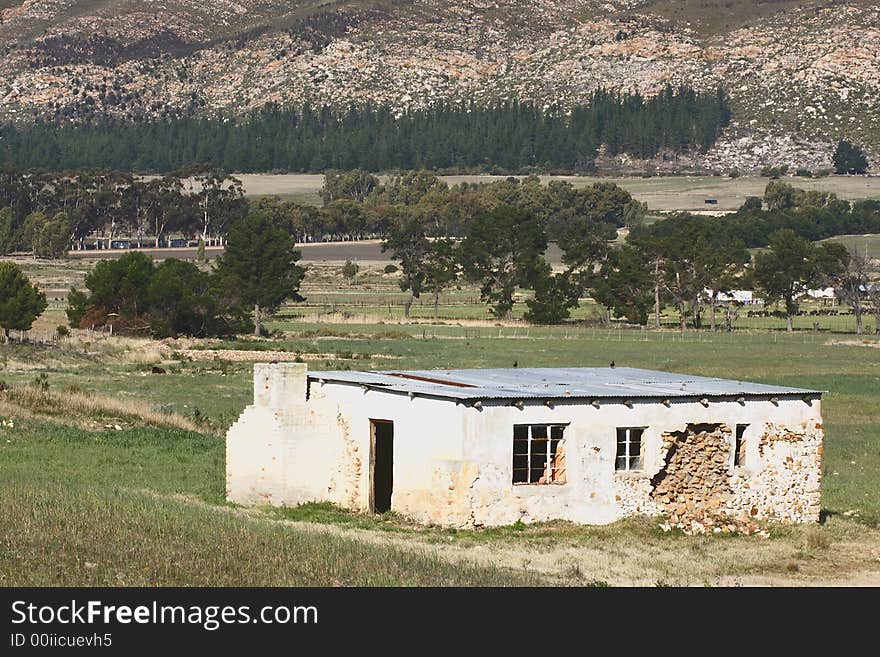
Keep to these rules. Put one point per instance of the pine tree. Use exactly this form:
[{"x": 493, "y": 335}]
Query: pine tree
[{"x": 20, "y": 301}]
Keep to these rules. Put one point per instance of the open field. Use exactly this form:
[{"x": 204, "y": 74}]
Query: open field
[
  {"x": 112, "y": 474},
  {"x": 869, "y": 244},
  {"x": 661, "y": 193},
  {"x": 376, "y": 297},
  {"x": 103, "y": 495}
]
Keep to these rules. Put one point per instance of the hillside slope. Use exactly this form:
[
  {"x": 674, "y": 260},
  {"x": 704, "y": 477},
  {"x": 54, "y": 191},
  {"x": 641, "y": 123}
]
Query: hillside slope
[{"x": 801, "y": 75}]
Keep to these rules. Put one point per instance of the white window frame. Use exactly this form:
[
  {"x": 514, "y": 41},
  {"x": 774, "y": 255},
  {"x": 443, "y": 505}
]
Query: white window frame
[
  {"x": 549, "y": 454},
  {"x": 627, "y": 455}
]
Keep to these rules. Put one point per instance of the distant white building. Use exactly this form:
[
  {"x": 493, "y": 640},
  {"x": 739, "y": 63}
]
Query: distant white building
[
  {"x": 469, "y": 448},
  {"x": 745, "y": 297},
  {"x": 821, "y": 293}
]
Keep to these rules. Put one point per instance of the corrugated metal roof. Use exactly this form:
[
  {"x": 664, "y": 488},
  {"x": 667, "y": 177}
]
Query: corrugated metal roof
[{"x": 554, "y": 383}]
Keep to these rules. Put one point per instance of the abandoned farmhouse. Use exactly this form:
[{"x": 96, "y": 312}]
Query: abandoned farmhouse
[{"x": 469, "y": 448}]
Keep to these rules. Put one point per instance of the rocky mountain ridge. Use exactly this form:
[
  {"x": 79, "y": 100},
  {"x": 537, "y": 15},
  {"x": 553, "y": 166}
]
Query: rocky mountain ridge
[{"x": 801, "y": 75}]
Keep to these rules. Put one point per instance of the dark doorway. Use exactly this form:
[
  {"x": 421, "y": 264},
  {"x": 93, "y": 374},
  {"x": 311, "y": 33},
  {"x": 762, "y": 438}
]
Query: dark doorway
[{"x": 382, "y": 432}]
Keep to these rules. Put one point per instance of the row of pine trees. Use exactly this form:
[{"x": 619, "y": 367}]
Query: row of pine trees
[{"x": 509, "y": 137}]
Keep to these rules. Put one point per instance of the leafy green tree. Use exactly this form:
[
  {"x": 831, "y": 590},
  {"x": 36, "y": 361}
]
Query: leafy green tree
[
  {"x": 752, "y": 203},
  {"x": 182, "y": 301},
  {"x": 32, "y": 228},
  {"x": 7, "y": 230},
  {"x": 849, "y": 158},
  {"x": 350, "y": 271},
  {"x": 794, "y": 265},
  {"x": 624, "y": 284},
  {"x": 634, "y": 213},
  {"x": 345, "y": 219},
  {"x": 502, "y": 250},
  {"x": 258, "y": 267},
  {"x": 353, "y": 185},
  {"x": 651, "y": 249},
  {"x": 121, "y": 285},
  {"x": 408, "y": 188},
  {"x": 408, "y": 244},
  {"x": 441, "y": 268},
  {"x": 52, "y": 238},
  {"x": 779, "y": 195},
  {"x": 20, "y": 301},
  {"x": 555, "y": 296},
  {"x": 584, "y": 242},
  {"x": 691, "y": 255},
  {"x": 219, "y": 197},
  {"x": 78, "y": 304}
]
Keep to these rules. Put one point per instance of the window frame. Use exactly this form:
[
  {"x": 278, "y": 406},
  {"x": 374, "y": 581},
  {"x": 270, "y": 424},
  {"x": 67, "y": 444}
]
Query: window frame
[
  {"x": 550, "y": 454},
  {"x": 739, "y": 446},
  {"x": 628, "y": 456}
]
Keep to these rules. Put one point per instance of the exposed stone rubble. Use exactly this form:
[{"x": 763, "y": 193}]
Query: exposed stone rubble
[
  {"x": 799, "y": 80},
  {"x": 693, "y": 486}
]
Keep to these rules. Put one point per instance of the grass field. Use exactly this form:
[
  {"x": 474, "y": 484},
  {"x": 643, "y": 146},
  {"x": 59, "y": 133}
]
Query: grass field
[
  {"x": 376, "y": 296},
  {"x": 869, "y": 244},
  {"x": 662, "y": 193},
  {"x": 105, "y": 496},
  {"x": 114, "y": 475}
]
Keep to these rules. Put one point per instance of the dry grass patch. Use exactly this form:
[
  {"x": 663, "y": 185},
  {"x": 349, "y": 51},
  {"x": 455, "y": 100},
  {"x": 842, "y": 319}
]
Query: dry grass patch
[{"x": 75, "y": 405}]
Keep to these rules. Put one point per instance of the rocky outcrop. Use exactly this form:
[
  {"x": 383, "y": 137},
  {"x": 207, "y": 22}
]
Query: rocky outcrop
[{"x": 799, "y": 80}]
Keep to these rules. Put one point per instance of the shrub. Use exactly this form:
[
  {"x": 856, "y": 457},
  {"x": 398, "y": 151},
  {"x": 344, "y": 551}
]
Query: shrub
[
  {"x": 41, "y": 382},
  {"x": 774, "y": 172},
  {"x": 849, "y": 158}
]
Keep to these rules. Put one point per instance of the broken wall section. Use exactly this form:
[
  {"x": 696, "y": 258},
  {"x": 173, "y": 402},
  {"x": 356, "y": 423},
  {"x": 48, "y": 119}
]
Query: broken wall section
[
  {"x": 698, "y": 489},
  {"x": 786, "y": 485},
  {"x": 693, "y": 485},
  {"x": 272, "y": 455}
]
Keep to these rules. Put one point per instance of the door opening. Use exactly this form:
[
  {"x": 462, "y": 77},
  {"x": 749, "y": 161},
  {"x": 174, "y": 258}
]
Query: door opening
[{"x": 382, "y": 464}]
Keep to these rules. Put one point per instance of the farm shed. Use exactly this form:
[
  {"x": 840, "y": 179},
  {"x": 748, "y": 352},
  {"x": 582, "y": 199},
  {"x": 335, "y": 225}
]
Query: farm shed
[{"x": 468, "y": 448}]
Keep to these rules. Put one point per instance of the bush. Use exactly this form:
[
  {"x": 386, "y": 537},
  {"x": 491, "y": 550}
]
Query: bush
[
  {"x": 62, "y": 331},
  {"x": 349, "y": 271},
  {"x": 804, "y": 173},
  {"x": 774, "y": 172},
  {"x": 41, "y": 382},
  {"x": 78, "y": 306},
  {"x": 849, "y": 158},
  {"x": 390, "y": 269}
]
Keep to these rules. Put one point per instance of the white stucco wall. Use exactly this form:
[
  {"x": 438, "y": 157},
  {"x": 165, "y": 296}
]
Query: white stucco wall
[{"x": 453, "y": 463}]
